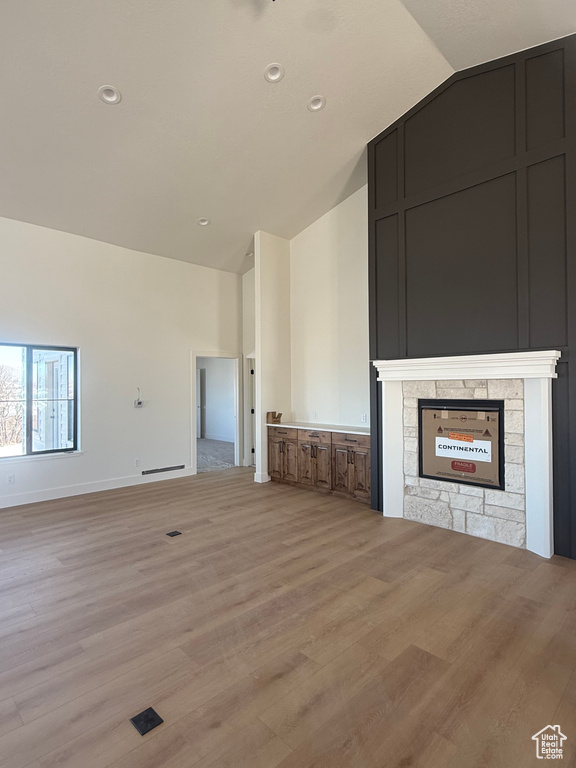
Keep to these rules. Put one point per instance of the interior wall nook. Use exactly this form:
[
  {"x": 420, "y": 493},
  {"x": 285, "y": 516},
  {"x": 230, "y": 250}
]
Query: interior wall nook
[{"x": 472, "y": 234}]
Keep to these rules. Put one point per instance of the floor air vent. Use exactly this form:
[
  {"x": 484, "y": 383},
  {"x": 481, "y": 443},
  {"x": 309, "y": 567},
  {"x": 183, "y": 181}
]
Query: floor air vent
[
  {"x": 161, "y": 469},
  {"x": 146, "y": 721}
]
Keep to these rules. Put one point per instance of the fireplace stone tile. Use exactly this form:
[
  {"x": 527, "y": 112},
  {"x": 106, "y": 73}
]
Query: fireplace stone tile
[
  {"x": 495, "y": 529},
  {"x": 428, "y": 511}
]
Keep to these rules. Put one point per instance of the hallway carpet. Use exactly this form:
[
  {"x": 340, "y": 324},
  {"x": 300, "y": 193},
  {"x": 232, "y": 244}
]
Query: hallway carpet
[{"x": 214, "y": 455}]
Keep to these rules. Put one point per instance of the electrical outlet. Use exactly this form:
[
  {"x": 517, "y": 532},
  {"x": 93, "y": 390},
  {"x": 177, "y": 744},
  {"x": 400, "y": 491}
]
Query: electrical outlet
[
  {"x": 136, "y": 462},
  {"x": 364, "y": 418},
  {"x": 11, "y": 479},
  {"x": 315, "y": 415}
]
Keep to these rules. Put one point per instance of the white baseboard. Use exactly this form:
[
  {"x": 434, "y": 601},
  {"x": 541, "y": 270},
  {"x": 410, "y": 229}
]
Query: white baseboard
[
  {"x": 99, "y": 485},
  {"x": 221, "y": 438},
  {"x": 261, "y": 477}
]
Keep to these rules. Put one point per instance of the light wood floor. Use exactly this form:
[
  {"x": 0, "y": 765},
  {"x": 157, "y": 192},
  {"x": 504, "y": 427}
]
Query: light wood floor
[{"x": 283, "y": 628}]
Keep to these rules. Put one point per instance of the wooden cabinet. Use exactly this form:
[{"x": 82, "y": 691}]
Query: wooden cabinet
[
  {"x": 351, "y": 465},
  {"x": 323, "y": 467},
  {"x": 341, "y": 468},
  {"x": 360, "y": 474},
  {"x": 327, "y": 461},
  {"x": 284, "y": 433},
  {"x": 283, "y": 454},
  {"x": 290, "y": 461},
  {"x": 305, "y": 464},
  {"x": 315, "y": 458},
  {"x": 315, "y": 465},
  {"x": 274, "y": 457}
]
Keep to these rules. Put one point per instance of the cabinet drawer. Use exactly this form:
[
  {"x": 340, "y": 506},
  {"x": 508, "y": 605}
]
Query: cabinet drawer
[
  {"x": 283, "y": 432},
  {"x": 352, "y": 441},
  {"x": 314, "y": 436}
]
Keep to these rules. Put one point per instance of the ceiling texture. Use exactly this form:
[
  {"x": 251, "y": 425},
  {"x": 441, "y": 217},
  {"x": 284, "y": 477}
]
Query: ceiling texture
[{"x": 199, "y": 131}]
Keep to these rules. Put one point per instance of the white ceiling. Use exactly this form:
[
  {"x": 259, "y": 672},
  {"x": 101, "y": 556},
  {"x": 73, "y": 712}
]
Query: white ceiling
[
  {"x": 469, "y": 32},
  {"x": 199, "y": 131}
]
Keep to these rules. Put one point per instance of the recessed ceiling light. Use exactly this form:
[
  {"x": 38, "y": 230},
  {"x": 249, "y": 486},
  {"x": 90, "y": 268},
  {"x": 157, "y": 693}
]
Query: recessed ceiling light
[
  {"x": 109, "y": 94},
  {"x": 316, "y": 103},
  {"x": 203, "y": 222},
  {"x": 274, "y": 73}
]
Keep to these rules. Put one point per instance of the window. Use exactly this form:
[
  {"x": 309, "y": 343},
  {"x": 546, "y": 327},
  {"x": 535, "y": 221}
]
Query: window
[{"x": 38, "y": 399}]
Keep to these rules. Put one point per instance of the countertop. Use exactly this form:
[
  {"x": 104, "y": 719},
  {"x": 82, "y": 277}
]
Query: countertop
[{"x": 323, "y": 427}]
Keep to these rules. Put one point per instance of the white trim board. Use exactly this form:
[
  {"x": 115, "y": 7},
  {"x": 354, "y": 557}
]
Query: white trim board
[
  {"x": 63, "y": 491},
  {"x": 507, "y": 365}
]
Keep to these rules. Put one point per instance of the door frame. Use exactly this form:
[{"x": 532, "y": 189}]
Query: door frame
[
  {"x": 193, "y": 403},
  {"x": 198, "y": 407},
  {"x": 249, "y": 459}
]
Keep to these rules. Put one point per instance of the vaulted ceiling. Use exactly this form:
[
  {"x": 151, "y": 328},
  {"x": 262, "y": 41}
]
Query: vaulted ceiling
[{"x": 199, "y": 131}]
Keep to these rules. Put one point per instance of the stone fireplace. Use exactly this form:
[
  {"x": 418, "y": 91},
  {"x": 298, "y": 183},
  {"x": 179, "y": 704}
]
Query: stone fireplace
[{"x": 520, "y": 515}]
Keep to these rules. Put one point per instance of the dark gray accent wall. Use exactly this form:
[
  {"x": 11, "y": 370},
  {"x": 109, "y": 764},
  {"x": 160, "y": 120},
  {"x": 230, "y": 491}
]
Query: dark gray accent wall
[{"x": 472, "y": 208}]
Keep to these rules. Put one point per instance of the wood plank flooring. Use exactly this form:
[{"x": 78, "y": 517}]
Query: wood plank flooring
[{"x": 283, "y": 629}]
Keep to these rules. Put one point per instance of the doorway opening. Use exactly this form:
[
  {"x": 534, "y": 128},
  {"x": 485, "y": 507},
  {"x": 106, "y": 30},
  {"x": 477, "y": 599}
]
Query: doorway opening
[{"x": 215, "y": 413}]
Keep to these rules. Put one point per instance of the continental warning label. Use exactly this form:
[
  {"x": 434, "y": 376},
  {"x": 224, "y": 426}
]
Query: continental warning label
[{"x": 460, "y": 436}]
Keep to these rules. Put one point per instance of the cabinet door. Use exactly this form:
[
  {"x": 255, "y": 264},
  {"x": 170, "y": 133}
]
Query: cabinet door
[
  {"x": 323, "y": 462},
  {"x": 360, "y": 473},
  {"x": 275, "y": 457},
  {"x": 340, "y": 468},
  {"x": 305, "y": 469},
  {"x": 290, "y": 456}
]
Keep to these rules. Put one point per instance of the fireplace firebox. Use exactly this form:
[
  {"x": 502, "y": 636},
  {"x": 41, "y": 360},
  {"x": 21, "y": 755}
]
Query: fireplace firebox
[{"x": 462, "y": 441}]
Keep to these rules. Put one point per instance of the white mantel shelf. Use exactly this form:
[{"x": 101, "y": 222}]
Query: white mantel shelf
[{"x": 508, "y": 365}]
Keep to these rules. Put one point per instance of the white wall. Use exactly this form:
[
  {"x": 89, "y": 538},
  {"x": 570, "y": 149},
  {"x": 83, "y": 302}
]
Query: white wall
[
  {"x": 136, "y": 318},
  {"x": 272, "y": 302},
  {"x": 329, "y": 316},
  {"x": 218, "y": 405},
  {"x": 249, "y": 349},
  {"x": 248, "y": 312},
  {"x": 311, "y": 300}
]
